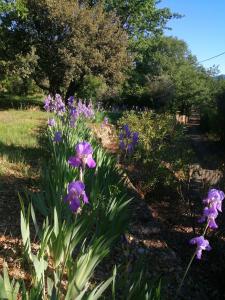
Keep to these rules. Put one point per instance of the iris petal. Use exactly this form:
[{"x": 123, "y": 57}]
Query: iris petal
[
  {"x": 74, "y": 161},
  {"x": 90, "y": 162}
]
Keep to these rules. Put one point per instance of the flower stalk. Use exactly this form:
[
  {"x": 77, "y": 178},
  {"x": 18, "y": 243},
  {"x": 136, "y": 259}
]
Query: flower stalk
[{"x": 213, "y": 204}]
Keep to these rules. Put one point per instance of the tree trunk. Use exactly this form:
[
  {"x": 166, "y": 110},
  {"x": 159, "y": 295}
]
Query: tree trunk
[
  {"x": 70, "y": 90},
  {"x": 73, "y": 87}
]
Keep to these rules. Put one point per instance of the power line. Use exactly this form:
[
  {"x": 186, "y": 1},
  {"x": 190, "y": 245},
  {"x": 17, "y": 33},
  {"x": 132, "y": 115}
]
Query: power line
[
  {"x": 201, "y": 61},
  {"x": 212, "y": 57},
  {"x": 173, "y": 84}
]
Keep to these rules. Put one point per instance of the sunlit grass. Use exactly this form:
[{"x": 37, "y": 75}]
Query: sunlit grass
[{"x": 19, "y": 140}]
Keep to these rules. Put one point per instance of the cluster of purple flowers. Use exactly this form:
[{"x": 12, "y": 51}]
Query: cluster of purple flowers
[
  {"x": 85, "y": 109},
  {"x": 127, "y": 139},
  {"x": 213, "y": 203},
  {"x": 76, "y": 189},
  {"x": 54, "y": 104},
  {"x": 80, "y": 109},
  {"x": 83, "y": 151},
  {"x": 76, "y": 109}
]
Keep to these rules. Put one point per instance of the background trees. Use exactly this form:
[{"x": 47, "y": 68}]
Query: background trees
[
  {"x": 107, "y": 49},
  {"x": 69, "y": 41}
]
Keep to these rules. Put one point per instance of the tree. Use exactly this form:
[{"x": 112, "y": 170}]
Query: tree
[
  {"x": 70, "y": 41},
  {"x": 138, "y": 17},
  {"x": 169, "y": 76}
]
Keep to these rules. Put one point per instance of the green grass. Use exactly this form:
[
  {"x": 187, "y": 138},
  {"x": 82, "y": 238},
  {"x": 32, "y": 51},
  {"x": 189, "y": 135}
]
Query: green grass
[{"x": 19, "y": 140}]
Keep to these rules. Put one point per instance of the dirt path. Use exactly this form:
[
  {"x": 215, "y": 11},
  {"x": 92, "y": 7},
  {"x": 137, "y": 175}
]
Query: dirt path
[{"x": 209, "y": 154}]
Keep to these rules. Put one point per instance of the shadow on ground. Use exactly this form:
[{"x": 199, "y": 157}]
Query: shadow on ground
[
  {"x": 20, "y": 102},
  {"x": 10, "y": 187}
]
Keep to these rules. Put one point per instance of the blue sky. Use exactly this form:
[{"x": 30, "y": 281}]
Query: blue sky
[{"x": 202, "y": 28}]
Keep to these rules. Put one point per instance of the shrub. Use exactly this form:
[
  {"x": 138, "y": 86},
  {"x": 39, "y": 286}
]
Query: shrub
[
  {"x": 162, "y": 148},
  {"x": 93, "y": 87}
]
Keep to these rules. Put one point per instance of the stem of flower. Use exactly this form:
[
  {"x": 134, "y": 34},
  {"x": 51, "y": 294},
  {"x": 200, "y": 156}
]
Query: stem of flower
[
  {"x": 189, "y": 265},
  {"x": 81, "y": 174},
  {"x": 185, "y": 274},
  {"x": 205, "y": 230}
]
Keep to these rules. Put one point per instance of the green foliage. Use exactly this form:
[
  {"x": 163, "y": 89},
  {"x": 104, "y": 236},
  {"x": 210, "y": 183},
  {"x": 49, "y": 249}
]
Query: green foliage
[
  {"x": 8, "y": 289},
  {"x": 162, "y": 148},
  {"x": 91, "y": 56},
  {"x": 93, "y": 87},
  {"x": 168, "y": 77},
  {"x": 68, "y": 43},
  {"x": 139, "y": 18},
  {"x": 136, "y": 285},
  {"x": 212, "y": 112},
  {"x": 17, "y": 7},
  {"x": 71, "y": 247}
]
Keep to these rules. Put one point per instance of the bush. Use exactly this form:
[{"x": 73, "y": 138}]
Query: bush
[
  {"x": 93, "y": 87},
  {"x": 18, "y": 86},
  {"x": 162, "y": 150},
  {"x": 209, "y": 120}
]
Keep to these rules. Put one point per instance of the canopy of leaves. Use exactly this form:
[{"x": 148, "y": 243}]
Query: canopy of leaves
[
  {"x": 138, "y": 17},
  {"x": 70, "y": 41},
  {"x": 169, "y": 75}
]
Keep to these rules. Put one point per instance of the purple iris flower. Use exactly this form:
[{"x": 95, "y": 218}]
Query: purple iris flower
[
  {"x": 121, "y": 136},
  {"x": 127, "y": 130},
  {"x": 54, "y": 104},
  {"x": 76, "y": 191},
  {"x": 70, "y": 101},
  {"x": 128, "y": 139},
  {"x": 83, "y": 156},
  {"x": 215, "y": 198},
  {"x": 73, "y": 116},
  {"x": 58, "y": 137},
  {"x": 135, "y": 138},
  {"x": 59, "y": 105},
  {"x": 51, "y": 122},
  {"x": 202, "y": 244},
  {"x": 210, "y": 214},
  {"x": 72, "y": 111},
  {"x": 85, "y": 110},
  {"x": 122, "y": 145},
  {"x": 49, "y": 104},
  {"x": 130, "y": 148}
]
